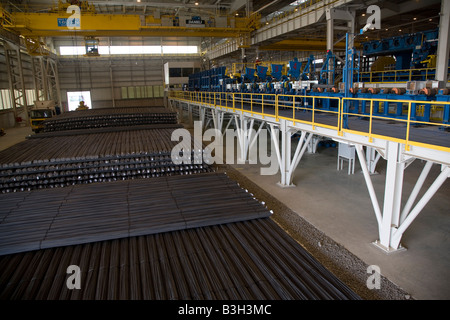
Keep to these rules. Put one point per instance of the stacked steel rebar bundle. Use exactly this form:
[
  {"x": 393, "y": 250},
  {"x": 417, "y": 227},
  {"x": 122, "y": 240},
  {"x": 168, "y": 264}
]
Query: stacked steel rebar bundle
[
  {"x": 207, "y": 237},
  {"x": 184, "y": 237},
  {"x": 67, "y": 216},
  {"x": 63, "y": 160},
  {"x": 110, "y": 117}
]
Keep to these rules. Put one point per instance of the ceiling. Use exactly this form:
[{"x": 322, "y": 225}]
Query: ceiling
[
  {"x": 403, "y": 16},
  {"x": 407, "y": 16},
  {"x": 127, "y": 6}
]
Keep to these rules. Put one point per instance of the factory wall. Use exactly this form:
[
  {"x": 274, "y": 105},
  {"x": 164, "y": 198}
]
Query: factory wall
[{"x": 122, "y": 80}]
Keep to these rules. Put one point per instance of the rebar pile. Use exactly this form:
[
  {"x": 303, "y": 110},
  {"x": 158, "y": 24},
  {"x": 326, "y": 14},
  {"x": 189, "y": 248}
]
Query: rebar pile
[
  {"x": 88, "y": 213},
  {"x": 60, "y": 161},
  {"x": 110, "y": 117}
]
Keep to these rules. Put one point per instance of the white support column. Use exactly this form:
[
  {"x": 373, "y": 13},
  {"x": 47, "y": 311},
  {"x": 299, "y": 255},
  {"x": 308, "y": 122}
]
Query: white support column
[
  {"x": 372, "y": 194},
  {"x": 392, "y": 193},
  {"x": 214, "y": 117},
  {"x": 398, "y": 232},
  {"x": 202, "y": 115},
  {"x": 287, "y": 164},
  {"x": 254, "y": 139},
  {"x": 415, "y": 192},
  {"x": 274, "y": 134},
  {"x": 285, "y": 153},
  {"x": 190, "y": 116},
  {"x": 392, "y": 224},
  {"x": 245, "y": 130},
  {"x": 372, "y": 158},
  {"x": 444, "y": 43},
  {"x": 228, "y": 125},
  {"x": 217, "y": 116},
  {"x": 299, "y": 152},
  {"x": 330, "y": 40}
]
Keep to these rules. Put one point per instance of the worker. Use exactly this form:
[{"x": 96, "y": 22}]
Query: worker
[{"x": 82, "y": 106}]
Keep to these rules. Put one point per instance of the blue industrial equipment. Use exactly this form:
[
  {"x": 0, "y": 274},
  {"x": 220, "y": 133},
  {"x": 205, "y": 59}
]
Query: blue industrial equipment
[
  {"x": 409, "y": 50},
  {"x": 249, "y": 74},
  {"x": 262, "y": 72},
  {"x": 276, "y": 71},
  {"x": 294, "y": 69},
  {"x": 444, "y": 96},
  {"x": 328, "y": 67},
  {"x": 286, "y": 86},
  {"x": 309, "y": 69},
  {"x": 266, "y": 86}
]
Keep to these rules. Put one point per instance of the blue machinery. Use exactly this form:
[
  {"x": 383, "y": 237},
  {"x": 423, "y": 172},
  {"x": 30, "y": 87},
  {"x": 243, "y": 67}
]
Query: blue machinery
[{"x": 302, "y": 78}]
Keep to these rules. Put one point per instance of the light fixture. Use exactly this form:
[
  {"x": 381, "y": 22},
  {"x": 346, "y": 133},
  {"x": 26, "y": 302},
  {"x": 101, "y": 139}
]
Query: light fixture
[
  {"x": 414, "y": 19},
  {"x": 196, "y": 3},
  {"x": 237, "y": 13},
  {"x": 363, "y": 14}
]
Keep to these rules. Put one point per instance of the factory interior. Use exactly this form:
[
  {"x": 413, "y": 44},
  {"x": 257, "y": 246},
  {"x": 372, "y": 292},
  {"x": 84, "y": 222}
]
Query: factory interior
[{"x": 218, "y": 150}]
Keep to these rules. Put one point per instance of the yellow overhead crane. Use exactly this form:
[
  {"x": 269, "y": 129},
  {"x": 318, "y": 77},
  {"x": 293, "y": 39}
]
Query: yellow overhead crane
[{"x": 91, "y": 24}]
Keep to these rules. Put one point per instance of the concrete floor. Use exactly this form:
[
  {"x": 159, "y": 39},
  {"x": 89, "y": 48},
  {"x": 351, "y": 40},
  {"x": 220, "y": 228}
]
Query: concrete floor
[
  {"x": 339, "y": 205},
  {"x": 13, "y": 136}
]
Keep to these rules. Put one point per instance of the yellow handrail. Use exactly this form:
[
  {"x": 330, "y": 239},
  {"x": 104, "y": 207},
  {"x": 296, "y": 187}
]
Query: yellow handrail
[
  {"x": 272, "y": 104},
  {"x": 375, "y": 75}
]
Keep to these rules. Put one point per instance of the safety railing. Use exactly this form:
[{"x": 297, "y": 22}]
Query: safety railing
[
  {"x": 313, "y": 110},
  {"x": 395, "y": 120},
  {"x": 392, "y": 120},
  {"x": 401, "y": 76}
]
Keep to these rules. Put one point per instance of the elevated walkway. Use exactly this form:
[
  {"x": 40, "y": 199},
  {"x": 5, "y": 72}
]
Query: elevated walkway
[{"x": 399, "y": 141}]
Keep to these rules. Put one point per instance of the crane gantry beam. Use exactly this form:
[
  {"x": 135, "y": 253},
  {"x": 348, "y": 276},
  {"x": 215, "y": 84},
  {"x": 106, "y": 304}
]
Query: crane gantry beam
[{"x": 111, "y": 25}]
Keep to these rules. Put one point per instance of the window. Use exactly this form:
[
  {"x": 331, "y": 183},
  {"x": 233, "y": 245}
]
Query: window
[
  {"x": 142, "y": 92},
  {"x": 74, "y": 98},
  {"x": 120, "y": 50}
]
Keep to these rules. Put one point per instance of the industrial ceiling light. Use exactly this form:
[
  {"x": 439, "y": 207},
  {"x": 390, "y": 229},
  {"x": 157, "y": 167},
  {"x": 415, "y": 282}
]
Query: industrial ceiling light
[{"x": 196, "y": 3}]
